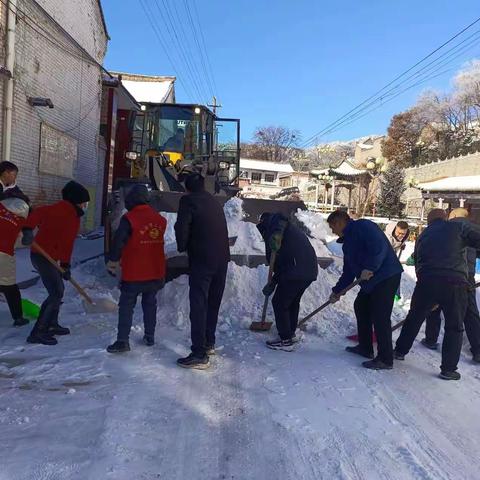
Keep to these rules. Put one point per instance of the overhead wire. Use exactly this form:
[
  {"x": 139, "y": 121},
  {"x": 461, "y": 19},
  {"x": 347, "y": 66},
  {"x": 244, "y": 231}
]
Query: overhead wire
[{"x": 314, "y": 137}]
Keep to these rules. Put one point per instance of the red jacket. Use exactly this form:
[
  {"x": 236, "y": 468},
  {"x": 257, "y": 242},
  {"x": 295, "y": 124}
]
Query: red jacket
[
  {"x": 58, "y": 226},
  {"x": 143, "y": 257},
  {"x": 10, "y": 227}
]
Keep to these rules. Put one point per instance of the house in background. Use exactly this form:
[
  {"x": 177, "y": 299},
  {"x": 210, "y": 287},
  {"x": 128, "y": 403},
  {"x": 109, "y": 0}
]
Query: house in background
[
  {"x": 262, "y": 179},
  {"x": 368, "y": 149}
]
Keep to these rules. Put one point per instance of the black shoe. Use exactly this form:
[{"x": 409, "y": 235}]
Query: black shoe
[
  {"x": 450, "y": 375},
  {"x": 357, "y": 350},
  {"x": 476, "y": 358},
  {"x": 194, "y": 362},
  {"x": 279, "y": 344},
  {"x": 398, "y": 356},
  {"x": 20, "y": 322},
  {"x": 210, "y": 350},
  {"x": 58, "y": 330},
  {"x": 118, "y": 347},
  {"x": 377, "y": 364},
  {"x": 41, "y": 338},
  {"x": 429, "y": 345},
  {"x": 149, "y": 340}
]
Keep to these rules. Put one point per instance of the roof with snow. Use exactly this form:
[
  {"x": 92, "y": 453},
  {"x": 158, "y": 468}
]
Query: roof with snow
[
  {"x": 452, "y": 184},
  {"x": 250, "y": 164},
  {"x": 345, "y": 169},
  {"x": 147, "y": 88}
]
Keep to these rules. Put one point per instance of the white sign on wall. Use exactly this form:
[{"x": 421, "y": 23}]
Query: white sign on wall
[{"x": 58, "y": 152}]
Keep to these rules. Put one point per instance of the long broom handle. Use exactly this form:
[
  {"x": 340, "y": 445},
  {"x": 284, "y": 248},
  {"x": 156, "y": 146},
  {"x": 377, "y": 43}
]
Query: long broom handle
[
  {"x": 399, "y": 324},
  {"x": 328, "y": 302},
  {"x": 79, "y": 289},
  {"x": 270, "y": 276}
]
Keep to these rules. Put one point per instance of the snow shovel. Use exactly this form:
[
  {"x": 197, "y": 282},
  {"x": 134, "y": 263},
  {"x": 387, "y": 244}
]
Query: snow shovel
[
  {"x": 100, "y": 305},
  {"x": 264, "y": 326},
  {"x": 302, "y": 322},
  {"x": 30, "y": 310}
]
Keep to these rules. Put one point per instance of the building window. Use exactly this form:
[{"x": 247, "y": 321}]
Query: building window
[
  {"x": 269, "y": 178},
  {"x": 256, "y": 177}
]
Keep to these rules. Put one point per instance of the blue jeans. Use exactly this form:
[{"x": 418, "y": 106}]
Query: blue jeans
[
  {"x": 129, "y": 291},
  {"x": 53, "y": 282}
]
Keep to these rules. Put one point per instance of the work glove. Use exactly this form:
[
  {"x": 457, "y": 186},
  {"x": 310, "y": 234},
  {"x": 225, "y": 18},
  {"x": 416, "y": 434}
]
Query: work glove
[
  {"x": 269, "y": 288},
  {"x": 366, "y": 275},
  {"x": 27, "y": 237},
  {"x": 67, "y": 274},
  {"x": 112, "y": 268},
  {"x": 334, "y": 297}
]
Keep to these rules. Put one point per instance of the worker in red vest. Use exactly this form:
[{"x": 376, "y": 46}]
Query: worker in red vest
[
  {"x": 13, "y": 212},
  {"x": 58, "y": 226},
  {"x": 138, "y": 249}
]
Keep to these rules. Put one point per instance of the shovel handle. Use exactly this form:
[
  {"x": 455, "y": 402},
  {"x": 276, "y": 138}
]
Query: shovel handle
[
  {"x": 270, "y": 276},
  {"x": 328, "y": 302},
  {"x": 79, "y": 289}
]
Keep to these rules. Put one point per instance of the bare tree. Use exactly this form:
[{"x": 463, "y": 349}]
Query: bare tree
[{"x": 274, "y": 143}]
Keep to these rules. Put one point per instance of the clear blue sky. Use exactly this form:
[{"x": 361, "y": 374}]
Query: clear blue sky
[{"x": 302, "y": 63}]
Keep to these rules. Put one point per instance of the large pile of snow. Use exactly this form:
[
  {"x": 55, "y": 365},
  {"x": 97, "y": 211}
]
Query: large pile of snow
[{"x": 320, "y": 233}]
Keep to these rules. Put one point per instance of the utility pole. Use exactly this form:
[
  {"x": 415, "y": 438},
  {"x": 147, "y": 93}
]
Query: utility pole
[{"x": 215, "y": 105}]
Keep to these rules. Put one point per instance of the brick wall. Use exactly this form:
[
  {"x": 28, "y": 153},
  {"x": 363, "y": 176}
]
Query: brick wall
[{"x": 71, "y": 80}]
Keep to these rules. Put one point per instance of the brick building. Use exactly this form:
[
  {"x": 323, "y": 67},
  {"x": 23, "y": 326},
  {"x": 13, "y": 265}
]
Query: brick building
[{"x": 59, "y": 46}]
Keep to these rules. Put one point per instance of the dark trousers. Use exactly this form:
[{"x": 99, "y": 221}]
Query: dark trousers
[
  {"x": 53, "y": 282},
  {"x": 206, "y": 291},
  {"x": 471, "y": 324},
  {"x": 375, "y": 309},
  {"x": 129, "y": 292},
  {"x": 452, "y": 299},
  {"x": 286, "y": 305},
  {"x": 14, "y": 300}
]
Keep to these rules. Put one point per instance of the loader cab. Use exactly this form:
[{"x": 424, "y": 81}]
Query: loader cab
[{"x": 173, "y": 138}]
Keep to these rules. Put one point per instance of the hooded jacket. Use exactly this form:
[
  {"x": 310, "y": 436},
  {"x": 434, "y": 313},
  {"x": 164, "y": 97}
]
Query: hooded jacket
[
  {"x": 296, "y": 259},
  {"x": 394, "y": 242},
  {"x": 365, "y": 247}
]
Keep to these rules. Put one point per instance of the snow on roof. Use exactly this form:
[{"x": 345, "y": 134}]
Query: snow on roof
[
  {"x": 345, "y": 168},
  {"x": 364, "y": 146},
  {"x": 250, "y": 164},
  {"x": 147, "y": 88},
  {"x": 452, "y": 184}
]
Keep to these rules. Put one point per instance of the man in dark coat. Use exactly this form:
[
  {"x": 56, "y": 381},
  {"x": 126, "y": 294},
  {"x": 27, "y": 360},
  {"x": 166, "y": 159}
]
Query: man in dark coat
[
  {"x": 472, "y": 317},
  {"x": 368, "y": 256},
  {"x": 8, "y": 186},
  {"x": 442, "y": 279},
  {"x": 201, "y": 231},
  {"x": 295, "y": 268}
]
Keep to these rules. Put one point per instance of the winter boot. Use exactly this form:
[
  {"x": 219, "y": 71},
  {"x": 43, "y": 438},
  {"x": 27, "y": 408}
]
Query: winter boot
[
  {"x": 20, "y": 322},
  {"x": 118, "y": 347},
  {"x": 149, "y": 340},
  {"x": 398, "y": 356},
  {"x": 377, "y": 364},
  {"x": 358, "y": 350},
  {"x": 58, "y": 330},
  {"x": 195, "y": 362},
  {"x": 450, "y": 375},
  {"x": 211, "y": 350},
  {"x": 429, "y": 345},
  {"x": 279, "y": 344},
  {"x": 41, "y": 338}
]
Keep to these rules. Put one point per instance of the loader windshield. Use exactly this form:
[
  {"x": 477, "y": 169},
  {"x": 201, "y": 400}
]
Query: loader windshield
[{"x": 181, "y": 129}]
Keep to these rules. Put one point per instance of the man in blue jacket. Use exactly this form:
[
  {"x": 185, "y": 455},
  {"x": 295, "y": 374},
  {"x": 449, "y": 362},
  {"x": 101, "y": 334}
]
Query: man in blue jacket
[
  {"x": 295, "y": 268},
  {"x": 368, "y": 256}
]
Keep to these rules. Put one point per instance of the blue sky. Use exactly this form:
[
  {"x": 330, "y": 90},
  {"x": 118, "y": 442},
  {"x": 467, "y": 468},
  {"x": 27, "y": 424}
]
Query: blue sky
[{"x": 302, "y": 63}]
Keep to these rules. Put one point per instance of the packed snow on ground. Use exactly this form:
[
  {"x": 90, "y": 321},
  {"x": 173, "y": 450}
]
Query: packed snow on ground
[{"x": 73, "y": 411}]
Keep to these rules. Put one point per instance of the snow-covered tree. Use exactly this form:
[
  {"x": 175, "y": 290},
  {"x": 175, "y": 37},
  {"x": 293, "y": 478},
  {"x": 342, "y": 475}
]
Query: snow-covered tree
[{"x": 392, "y": 186}]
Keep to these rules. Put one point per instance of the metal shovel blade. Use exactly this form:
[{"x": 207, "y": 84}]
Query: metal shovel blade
[
  {"x": 261, "y": 326},
  {"x": 100, "y": 305}
]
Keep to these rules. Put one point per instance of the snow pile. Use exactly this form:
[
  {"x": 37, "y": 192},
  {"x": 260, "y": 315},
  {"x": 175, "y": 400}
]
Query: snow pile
[
  {"x": 320, "y": 232},
  {"x": 249, "y": 241},
  {"x": 169, "y": 238}
]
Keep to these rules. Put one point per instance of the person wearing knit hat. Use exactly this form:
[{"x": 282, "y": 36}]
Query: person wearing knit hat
[{"x": 58, "y": 226}]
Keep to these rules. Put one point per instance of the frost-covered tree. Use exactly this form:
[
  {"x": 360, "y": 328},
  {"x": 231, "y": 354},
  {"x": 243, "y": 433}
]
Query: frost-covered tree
[{"x": 392, "y": 186}]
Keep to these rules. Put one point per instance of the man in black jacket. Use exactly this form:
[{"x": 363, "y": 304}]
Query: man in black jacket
[
  {"x": 295, "y": 269},
  {"x": 201, "y": 231},
  {"x": 442, "y": 278},
  {"x": 8, "y": 186},
  {"x": 472, "y": 317}
]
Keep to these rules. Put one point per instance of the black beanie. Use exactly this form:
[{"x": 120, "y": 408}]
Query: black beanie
[
  {"x": 75, "y": 193},
  {"x": 138, "y": 195}
]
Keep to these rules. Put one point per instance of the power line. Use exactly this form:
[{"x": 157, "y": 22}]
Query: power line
[{"x": 312, "y": 139}]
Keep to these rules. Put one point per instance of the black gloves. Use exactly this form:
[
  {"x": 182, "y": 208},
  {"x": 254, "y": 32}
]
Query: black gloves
[
  {"x": 269, "y": 288},
  {"x": 67, "y": 274},
  {"x": 27, "y": 236}
]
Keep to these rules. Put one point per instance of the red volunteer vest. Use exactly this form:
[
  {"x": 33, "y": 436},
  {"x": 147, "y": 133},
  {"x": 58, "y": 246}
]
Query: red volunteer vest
[
  {"x": 143, "y": 258},
  {"x": 10, "y": 227}
]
